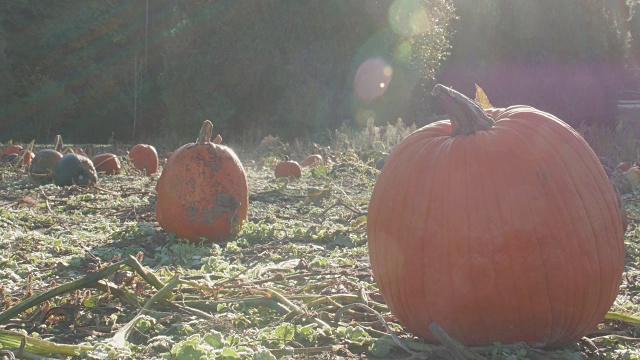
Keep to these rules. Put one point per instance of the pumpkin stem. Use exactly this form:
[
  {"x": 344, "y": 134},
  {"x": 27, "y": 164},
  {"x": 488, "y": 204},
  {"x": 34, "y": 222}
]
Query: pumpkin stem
[
  {"x": 58, "y": 144},
  {"x": 205, "y": 133},
  {"x": 466, "y": 115}
]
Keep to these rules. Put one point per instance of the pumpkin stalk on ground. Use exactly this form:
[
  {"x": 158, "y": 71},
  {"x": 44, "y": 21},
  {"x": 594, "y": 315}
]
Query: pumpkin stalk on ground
[
  {"x": 499, "y": 225},
  {"x": 202, "y": 191}
]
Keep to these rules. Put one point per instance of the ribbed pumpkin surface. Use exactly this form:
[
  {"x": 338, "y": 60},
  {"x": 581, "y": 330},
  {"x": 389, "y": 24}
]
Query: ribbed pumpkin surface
[{"x": 508, "y": 234}]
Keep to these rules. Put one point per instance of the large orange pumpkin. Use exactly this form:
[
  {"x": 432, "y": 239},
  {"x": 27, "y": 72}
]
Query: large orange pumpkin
[
  {"x": 144, "y": 158},
  {"x": 499, "y": 225},
  {"x": 202, "y": 191}
]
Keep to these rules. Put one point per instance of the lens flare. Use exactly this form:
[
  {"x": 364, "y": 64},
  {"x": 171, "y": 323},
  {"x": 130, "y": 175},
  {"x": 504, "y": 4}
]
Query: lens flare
[
  {"x": 372, "y": 78},
  {"x": 409, "y": 18}
]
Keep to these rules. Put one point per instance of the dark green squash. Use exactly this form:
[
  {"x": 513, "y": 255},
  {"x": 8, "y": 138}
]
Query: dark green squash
[
  {"x": 43, "y": 164},
  {"x": 74, "y": 169}
]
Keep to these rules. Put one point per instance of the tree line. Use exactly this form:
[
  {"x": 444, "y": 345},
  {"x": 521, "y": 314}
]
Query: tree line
[{"x": 129, "y": 71}]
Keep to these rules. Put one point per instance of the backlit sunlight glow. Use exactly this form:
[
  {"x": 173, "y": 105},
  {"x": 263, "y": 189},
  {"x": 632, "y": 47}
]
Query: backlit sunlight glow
[{"x": 409, "y": 18}]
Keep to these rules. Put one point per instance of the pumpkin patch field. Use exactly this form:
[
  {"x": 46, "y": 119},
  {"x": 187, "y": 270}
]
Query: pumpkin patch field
[{"x": 88, "y": 272}]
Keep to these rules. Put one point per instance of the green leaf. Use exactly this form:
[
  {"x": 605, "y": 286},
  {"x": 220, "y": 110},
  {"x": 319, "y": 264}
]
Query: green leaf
[
  {"x": 230, "y": 353},
  {"x": 263, "y": 355},
  {"x": 215, "y": 339},
  {"x": 343, "y": 240},
  {"x": 91, "y": 301},
  {"x": 285, "y": 332},
  {"x": 380, "y": 348},
  {"x": 319, "y": 262},
  {"x": 189, "y": 349},
  {"x": 144, "y": 323}
]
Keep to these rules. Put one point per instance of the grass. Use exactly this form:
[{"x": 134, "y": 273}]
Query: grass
[{"x": 295, "y": 283}]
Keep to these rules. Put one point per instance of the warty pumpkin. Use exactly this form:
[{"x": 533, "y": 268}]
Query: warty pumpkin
[
  {"x": 288, "y": 169},
  {"x": 144, "y": 158},
  {"x": 498, "y": 225},
  {"x": 202, "y": 191}
]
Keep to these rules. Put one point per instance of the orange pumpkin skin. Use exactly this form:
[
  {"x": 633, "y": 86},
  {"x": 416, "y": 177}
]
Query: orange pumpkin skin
[
  {"x": 107, "y": 163},
  {"x": 508, "y": 234},
  {"x": 289, "y": 169},
  {"x": 202, "y": 191},
  {"x": 312, "y": 160},
  {"x": 11, "y": 149},
  {"x": 144, "y": 158},
  {"x": 27, "y": 156}
]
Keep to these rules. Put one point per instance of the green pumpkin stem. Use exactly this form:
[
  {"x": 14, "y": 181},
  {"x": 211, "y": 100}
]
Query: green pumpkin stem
[
  {"x": 205, "y": 133},
  {"x": 466, "y": 115}
]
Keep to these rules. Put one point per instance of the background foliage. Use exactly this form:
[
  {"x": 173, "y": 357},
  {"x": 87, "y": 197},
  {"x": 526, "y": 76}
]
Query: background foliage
[
  {"x": 87, "y": 68},
  {"x": 564, "y": 57},
  {"x": 98, "y": 71}
]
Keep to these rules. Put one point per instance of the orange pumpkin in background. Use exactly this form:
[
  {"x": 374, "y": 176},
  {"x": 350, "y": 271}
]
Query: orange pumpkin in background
[
  {"x": 312, "y": 160},
  {"x": 26, "y": 156},
  {"x": 11, "y": 149},
  {"x": 78, "y": 150},
  {"x": 202, "y": 191},
  {"x": 107, "y": 163},
  {"x": 499, "y": 225},
  {"x": 144, "y": 158},
  {"x": 288, "y": 169},
  {"x": 623, "y": 166}
]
